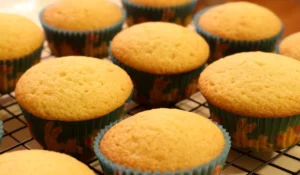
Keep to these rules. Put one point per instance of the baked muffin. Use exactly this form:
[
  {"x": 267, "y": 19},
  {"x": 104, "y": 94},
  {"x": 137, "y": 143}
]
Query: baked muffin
[
  {"x": 290, "y": 46},
  {"x": 238, "y": 27},
  {"x": 21, "y": 45},
  {"x": 255, "y": 96},
  {"x": 82, "y": 27},
  {"x": 1, "y": 130},
  {"x": 163, "y": 65},
  {"x": 175, "y": 11},
  {"x": 37, "y": 162},
  {"x": 163, "y": 140},
  {"x": 67, "y": 100}
]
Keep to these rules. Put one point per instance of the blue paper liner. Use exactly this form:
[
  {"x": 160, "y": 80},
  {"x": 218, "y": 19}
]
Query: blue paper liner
[
  {"x": 11, "y": 70},
  {"x": 221, "y": 47},
  {"x": 1, "y": 131},
  {"x": 181, "y": 14},
  {"x": 152, "y": 90},
  {"x": 110, "y": 168},
  {"x": 74, "y": 138},
  {"x": 92, "y": 43},
  {"x": 258, "y": 134}
]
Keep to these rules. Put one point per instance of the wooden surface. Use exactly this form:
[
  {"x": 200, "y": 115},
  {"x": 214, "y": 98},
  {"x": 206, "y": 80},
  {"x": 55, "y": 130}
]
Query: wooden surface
[{"x": 287, "y": 10}]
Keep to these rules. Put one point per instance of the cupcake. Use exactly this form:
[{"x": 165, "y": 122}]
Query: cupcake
[
  {"x": 163, "y": 141},
  {"x": 179, "y": 11},
  {"x": 163, "y": 65},
  {"x": 255, "y": 96},
  {"x": 37, "y": 162},
  {"x": 290, "y": 46},
  {"x": 238, "y": 27},
  {"x": 21, "y": 44},
  {"x": 82, "y": 27},
  {"x": 1, "y": 130},
  {"x": 67, "y": 100}
]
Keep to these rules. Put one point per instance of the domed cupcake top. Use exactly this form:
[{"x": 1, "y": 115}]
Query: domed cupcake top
[
  {"x": 160, "y": 48},
  {"x": 81, "y": 15},
  {"x": 290, "y": 46},
  {"x": 73, "y": 88},
  {"x": 37, "y": 162},
  {"x": 19, "y": 36},
  {"x": 240, "y": 21},
  {"x": 163, "y": 139},
  {"x": 254, "y": 84},
  {"x": 160, "y": 3}
]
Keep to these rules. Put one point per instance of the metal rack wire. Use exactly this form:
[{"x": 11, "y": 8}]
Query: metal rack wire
[{"x": 246, "y": 162}]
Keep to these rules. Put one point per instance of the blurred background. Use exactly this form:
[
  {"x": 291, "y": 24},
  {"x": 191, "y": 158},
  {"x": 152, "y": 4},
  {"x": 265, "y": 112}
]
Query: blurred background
[{"x": 287, "y": 10}]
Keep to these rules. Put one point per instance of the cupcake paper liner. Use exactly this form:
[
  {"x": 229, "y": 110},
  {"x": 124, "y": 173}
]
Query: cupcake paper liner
[
  {"x": 213, "y": 167},
  {"x": 11, "y": 70},
  {"x": 221, "y": 47},
  {"x": 1, "y": 131},
  {"x": 91, "y": 43},
  {"x": 256, "y": 133},
  {"x": 177, "y": 14},
  {"x": 277, "y": 48},
  {"x": 73, "y": 138},
  {"x": 153, "y": 90}
]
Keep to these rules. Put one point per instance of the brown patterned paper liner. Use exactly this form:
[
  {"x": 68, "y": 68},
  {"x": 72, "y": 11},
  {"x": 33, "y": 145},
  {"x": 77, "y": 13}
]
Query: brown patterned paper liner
[
  {"x": 11, "y": 70},
  {"x": 153, "y": 90},
  {"x": 181, "y": 14},
  {"x": 256, "y": 133},
  {"x": 92, "y": 43},
  {"x": 221, "y": 47},
  {"x": 73, "y": 138}
]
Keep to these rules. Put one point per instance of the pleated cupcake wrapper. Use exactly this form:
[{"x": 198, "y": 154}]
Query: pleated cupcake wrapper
[
  {"x": 11, "y": 70},
  {"x": 74, "y": 138},
  {"x": 258, "y": 134},
  {"x": 91, "y": 43},
  {"x": 153, "y": 90},
  {"x": 213, "y": 167},
  {"x": 277, "y": 48},
  {"x": 221, "y": 47},
  {"x": 181, "y": 14},
  {"x": 1, "y": 131}
]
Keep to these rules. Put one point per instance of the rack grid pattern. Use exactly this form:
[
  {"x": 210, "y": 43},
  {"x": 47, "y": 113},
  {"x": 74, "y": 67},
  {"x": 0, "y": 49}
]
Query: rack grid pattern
[{"x": 284, "y": 162}]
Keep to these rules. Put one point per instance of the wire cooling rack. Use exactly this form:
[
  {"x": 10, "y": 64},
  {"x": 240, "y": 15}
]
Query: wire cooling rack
[{"x": 284, "y": 162}]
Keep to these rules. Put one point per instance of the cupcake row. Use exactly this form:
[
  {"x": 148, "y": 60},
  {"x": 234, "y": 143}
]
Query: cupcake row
[
  {"x": 253, "y": 95},
  {"x": 159, "y": 141},
  {"x": 69, "y": 100},
  {"x": 80, "y": 28}
]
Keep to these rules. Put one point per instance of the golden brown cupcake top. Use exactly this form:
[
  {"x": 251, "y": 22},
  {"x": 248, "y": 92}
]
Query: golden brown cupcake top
[
  {"x": 254, "y": 84},
  {"x": 19, "y": 36},
  {"x": 37, "y": 162},
  {"x": 240, "y": 21},
  {"x": 73, "y": 88},
  {"x": 160, "y": 48},
  {"x": 81, "y": 15},
  {"x": 160, "y": 3},
  {"x": 163, "y": 139},
  {"x": 290, "y": 46}
]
